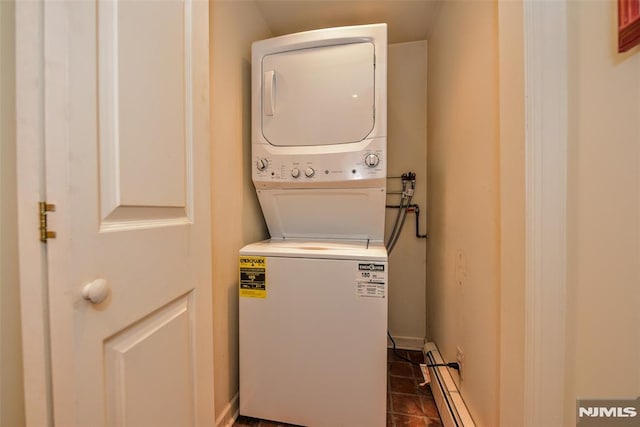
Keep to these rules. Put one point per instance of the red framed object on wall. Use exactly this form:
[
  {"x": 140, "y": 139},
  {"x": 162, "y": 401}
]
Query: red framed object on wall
[{"x": 628, "y": 24}]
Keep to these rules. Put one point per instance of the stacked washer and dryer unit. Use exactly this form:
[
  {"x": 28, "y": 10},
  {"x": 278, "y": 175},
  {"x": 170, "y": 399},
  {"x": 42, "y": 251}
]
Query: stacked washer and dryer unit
[{"x": 313, "y": 298}]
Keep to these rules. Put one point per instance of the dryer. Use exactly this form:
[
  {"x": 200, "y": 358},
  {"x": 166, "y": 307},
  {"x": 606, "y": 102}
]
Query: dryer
[
  {"x": 313, "y": 298},
  {"x": 319, "y": 132}
]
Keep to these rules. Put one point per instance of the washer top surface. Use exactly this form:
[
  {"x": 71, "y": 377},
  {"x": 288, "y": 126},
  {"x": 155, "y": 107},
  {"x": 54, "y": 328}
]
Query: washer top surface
[{"x": 330, "y": 249}]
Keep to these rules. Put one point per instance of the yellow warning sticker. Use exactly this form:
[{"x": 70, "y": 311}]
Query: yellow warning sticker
[{"x": 253, "y": 277}]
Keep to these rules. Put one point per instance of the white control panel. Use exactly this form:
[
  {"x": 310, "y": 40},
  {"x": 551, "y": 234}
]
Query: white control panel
[{"x": 272, "y": 169}]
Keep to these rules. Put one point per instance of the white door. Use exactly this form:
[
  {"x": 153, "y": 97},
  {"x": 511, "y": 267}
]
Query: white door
[{"x": 126, "y": 147}]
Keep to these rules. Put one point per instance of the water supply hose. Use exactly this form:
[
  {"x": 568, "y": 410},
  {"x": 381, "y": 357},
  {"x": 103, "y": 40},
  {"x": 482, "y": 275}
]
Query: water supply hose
[{"x": 408, "y": 188}]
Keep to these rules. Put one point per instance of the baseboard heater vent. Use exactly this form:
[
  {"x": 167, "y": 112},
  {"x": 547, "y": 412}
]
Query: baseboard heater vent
[{"x": 453, "y": 411}]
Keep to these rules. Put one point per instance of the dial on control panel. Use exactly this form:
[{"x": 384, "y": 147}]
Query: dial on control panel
[
  {"x": 262, "y": 164},
  {"x": 309, "y": 172},
  {"x": 371, "y": 160},
  {"x": 295, "y": 172}
]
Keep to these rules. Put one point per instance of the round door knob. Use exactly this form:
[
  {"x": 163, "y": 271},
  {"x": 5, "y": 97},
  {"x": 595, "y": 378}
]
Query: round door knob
[
  {"x": 309, "y": 172},
  {"x": 371, "y": 160},
  {"x": 295, "y": 172},
  {"x": 262, "y": 164},
  {"x": 96, "y": 291}
]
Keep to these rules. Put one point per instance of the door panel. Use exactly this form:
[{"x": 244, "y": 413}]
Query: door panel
[
  {"x": 134, "y": 357},
  {"x": 144, "y": 112},
  {"x": 127, "y": 165}
]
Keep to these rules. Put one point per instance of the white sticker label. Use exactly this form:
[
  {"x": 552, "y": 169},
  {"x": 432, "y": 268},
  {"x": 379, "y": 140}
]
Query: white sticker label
[{"x": 371, "y": 280}]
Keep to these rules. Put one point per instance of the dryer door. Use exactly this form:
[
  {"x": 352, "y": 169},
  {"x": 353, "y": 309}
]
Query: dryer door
[{"x": 318, "y": 96}]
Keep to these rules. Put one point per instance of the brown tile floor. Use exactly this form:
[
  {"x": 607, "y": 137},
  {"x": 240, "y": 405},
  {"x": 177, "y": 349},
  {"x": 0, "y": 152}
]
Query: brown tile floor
[{"x": 408, "y": 404}]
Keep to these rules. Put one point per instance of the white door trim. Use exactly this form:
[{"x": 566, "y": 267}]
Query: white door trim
[
  {"x": 31, "y": 189},
  {"x": 546, "y": 93}
]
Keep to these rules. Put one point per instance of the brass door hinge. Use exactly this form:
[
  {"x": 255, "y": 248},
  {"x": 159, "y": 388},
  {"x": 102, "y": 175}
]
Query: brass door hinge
[{"x": 45, "y": 234}]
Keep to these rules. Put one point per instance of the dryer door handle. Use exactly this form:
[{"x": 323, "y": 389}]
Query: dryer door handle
[{"x": 268, "y": 100}]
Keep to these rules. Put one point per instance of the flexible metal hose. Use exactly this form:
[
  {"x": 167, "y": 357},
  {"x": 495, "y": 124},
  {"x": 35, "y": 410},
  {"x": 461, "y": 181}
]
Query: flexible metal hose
[
  {"x": 397, "y": 235},
  {"x": 402, "y": 207},
  {"x": 408, "y": 187}
]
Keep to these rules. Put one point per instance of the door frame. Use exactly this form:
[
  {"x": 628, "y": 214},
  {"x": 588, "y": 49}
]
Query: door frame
[
  {"x": 546, "y": 115},
  {"x": 32, "y": 254},
  {"x": 545, "y": 70}
]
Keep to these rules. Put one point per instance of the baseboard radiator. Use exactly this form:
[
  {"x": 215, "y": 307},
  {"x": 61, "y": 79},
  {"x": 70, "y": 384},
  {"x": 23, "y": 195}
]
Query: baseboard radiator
[{"x": 453, "y": 411}]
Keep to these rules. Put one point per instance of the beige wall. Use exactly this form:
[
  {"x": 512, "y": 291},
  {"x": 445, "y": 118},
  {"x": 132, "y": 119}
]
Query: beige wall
[
  {"x": 407, "y": 146},
  {"x": 463, "y": 187},
  {"x": 603, "y": 238},
  {"x": 236, "y": 215},
  {"x": 11, "y": 389}
]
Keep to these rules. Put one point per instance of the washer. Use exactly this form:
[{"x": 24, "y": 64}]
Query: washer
[{"x": 313, "y": 340}]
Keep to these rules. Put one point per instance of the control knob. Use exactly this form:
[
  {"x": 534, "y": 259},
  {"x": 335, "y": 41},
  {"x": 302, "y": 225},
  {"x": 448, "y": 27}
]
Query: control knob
[
  {"x": 295, "y": 172},
  {"x": 309, "y": 172},
  {"x": 262, "y": 164},
  {"x": 371, "y": 160}
]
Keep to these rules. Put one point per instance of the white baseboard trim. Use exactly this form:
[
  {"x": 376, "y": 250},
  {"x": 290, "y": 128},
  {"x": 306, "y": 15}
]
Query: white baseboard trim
[
  {"x": 230, "y": 413},
  {"x": 407, "y": 343},
  {"x": 451, "y": 406}
]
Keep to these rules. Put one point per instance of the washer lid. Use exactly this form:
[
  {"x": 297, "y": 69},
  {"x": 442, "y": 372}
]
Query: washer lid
[{"x": 329, "y": 249}]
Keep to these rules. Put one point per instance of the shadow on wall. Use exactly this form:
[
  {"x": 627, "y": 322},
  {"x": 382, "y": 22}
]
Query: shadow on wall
[{"x": 252, "y": 214}]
